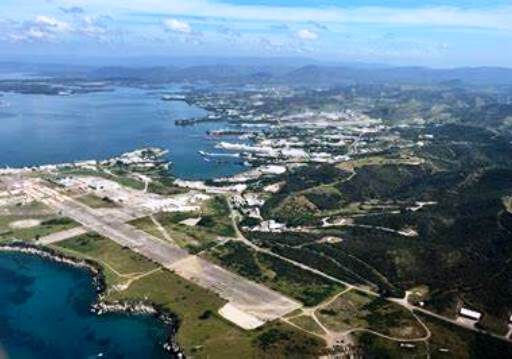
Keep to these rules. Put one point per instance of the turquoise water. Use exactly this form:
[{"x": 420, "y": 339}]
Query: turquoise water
[
  {"x": 44, "y": 313},
  {"x": 40, "y": 129}
]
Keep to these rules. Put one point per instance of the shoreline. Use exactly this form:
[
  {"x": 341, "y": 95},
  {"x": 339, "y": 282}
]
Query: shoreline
[
  {"x": 134, "y": 158},
  {"x": 100, "y": 306}
]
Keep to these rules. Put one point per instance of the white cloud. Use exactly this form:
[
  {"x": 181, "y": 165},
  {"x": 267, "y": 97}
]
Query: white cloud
[
  {"x": 42, "y": 28},
  {"x": 51, "y": 29},
  {"x": 51, "y": 24},
  {"x": 306, "y": 35},
  {"x": 442, "y": 16},
  {"x": 179, "y": 26}
]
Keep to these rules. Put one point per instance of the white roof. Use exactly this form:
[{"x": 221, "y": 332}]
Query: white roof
[
  {"x": 470, "y": 313},
  {"x": 294, "y": 152},
  {"x": 273, "y": 169}
]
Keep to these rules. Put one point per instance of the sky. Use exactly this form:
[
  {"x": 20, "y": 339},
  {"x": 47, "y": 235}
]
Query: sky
[{"x": 399, "y": 32}]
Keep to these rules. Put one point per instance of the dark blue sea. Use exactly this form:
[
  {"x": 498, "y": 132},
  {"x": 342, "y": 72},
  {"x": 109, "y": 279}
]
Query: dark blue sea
[
  {"x": 44, "y": 313},
  {"x": 42, "y": 129}
]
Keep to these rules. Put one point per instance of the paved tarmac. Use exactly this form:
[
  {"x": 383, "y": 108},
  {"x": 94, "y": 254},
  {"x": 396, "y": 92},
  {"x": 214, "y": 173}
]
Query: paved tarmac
[{"x": 258, "y": 303}]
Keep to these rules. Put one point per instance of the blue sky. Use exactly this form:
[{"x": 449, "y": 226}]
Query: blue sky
[{"x": 404, "y": 32}]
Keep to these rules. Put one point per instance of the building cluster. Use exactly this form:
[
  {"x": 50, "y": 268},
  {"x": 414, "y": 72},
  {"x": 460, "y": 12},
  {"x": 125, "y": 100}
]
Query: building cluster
[
  {"x": 312, "y": 140},
  {"x": 248, "y": 204},
  {"x": 281, "y": 125},
  {"x": 129, "y": 197},
  {"x": 139, "y": 160}
]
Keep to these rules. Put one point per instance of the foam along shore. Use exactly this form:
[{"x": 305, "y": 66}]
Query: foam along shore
[{"x": 101, "y": 306}]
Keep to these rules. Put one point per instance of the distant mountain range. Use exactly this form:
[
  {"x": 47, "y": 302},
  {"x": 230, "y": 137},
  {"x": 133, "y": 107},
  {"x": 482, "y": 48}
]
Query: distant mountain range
[
  {"x": 423, "y": 75},
  {"x": 276, "y": 72},
  {"x": 313, "y": 75}
]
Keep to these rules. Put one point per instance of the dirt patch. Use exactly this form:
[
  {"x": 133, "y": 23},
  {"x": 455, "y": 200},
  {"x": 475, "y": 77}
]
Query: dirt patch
[
  {"x": 191, "y": 222},
  {"x": 25, "y": 223},
  {"x": 331, "y": 239}
]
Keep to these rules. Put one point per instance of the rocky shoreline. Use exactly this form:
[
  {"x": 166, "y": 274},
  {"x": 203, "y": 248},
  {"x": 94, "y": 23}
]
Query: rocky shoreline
[{"x": 101, "y": 306}]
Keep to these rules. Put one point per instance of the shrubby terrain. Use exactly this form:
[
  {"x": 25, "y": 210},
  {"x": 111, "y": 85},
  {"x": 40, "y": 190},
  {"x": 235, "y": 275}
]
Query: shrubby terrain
[{"x": 462, "y": 245}]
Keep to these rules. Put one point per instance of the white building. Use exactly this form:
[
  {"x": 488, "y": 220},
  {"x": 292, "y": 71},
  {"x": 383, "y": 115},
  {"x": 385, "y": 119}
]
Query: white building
[
  {"x": 269, "y": 226},
  {"x": 471, "y": 314}
]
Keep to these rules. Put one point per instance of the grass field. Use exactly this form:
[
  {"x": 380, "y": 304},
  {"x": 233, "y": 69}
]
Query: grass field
[
  {"x": 192, "y": 238},
  {"x": 145, "y": 224},
  {"x": 215, "y": 222},
  {"x": 33, "y": 210},
  {"x": 44, "y": 221},
  {"x": 307, "y": 323},
  {"x": 120, "y": 262},
  {"x": 202, "y": 332}
]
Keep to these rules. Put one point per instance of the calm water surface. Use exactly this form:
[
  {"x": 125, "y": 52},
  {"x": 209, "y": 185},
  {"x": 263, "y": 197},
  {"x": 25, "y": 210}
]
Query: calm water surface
[
  {"x": 44, "y": 313},
  {"x": 40, "y": 129}
]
